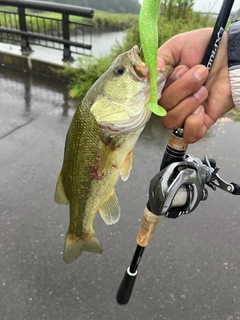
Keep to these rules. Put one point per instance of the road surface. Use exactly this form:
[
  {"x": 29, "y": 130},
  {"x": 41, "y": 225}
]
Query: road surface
[{"x": 190, "y": 271}]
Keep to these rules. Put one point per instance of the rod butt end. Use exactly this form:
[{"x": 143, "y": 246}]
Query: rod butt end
[{"x": 126, "y": 287}]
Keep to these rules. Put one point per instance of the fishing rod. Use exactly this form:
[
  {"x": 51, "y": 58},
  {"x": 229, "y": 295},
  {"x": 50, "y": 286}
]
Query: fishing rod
[{"x": 180, "y": 185}]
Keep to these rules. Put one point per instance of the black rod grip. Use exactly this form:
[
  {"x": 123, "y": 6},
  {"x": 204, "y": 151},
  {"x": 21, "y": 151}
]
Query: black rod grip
[
  {"x": 218, "y": 31},
  {"x": 125, "y": 289}
]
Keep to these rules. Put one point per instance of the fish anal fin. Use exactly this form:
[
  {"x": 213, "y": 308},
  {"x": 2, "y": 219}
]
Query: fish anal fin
[
  {"x": 60, "y": 195},
  {"x": 110, "y": 210},
  {"x": 127, "y": 166},
  {"x": 74, "y": 247}
]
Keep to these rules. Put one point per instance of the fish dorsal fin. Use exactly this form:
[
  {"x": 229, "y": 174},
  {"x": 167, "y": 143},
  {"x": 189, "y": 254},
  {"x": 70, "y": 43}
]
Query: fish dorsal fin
[
  {"x": 110, "y": 210},
  {"x": 127, "y": 166},
  {"x": 60, "y": 195}
]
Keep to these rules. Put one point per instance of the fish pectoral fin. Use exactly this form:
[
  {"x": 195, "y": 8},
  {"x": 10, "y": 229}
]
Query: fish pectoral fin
[
  {"x": 110, "y": 210},
  {"x": 106, "y": 159},
  {"x": 127, "y": 166},
  {"x": 74, "y": 247},
  {"x": 60, "y": 195}
]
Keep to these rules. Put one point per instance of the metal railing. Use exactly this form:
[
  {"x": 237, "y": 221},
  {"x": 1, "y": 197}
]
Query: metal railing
[{"x": 27, "y": 22}]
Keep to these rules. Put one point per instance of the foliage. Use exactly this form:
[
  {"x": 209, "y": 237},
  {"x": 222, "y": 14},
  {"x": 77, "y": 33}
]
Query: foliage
[
  {"x": 43, "y": 22},
  {"x": 103, "y": 21},
  {"x": 235, "y": 113},
  {"x": 119, "y": 6},
  {"x": 86, "y": 73},
  {"x": 175, "y": 9},
  {"x": 89, "y": 71},
  {"x": 176, "y": 16}
]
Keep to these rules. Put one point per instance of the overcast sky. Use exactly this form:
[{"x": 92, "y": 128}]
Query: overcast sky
[{"x": 211, "y": 5}]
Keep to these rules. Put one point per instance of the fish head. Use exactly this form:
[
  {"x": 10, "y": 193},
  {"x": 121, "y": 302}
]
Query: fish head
[{"x": 122, "y": 94}]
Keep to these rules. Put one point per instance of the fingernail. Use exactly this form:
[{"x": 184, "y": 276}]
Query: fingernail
[
  {"x": 200, "y": 94},
  {"x": 178, "y": 74},
  {"x": 198, "y": 110},
  {"x": 200, "y": 73}
]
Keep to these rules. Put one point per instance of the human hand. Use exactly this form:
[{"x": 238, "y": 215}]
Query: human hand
[{"x": 187, "y": 101}]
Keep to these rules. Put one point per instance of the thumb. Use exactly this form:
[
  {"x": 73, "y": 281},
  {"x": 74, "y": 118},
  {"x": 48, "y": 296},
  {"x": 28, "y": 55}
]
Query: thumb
[
  {"x": 170, "y": 51},
  {"x": 160, "y": 62}
]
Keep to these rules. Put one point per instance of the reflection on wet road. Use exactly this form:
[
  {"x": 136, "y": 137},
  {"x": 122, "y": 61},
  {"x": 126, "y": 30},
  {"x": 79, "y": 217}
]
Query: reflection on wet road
[
  {"x": 24, "y": 97},
  {"x": 189, "y": 271}
]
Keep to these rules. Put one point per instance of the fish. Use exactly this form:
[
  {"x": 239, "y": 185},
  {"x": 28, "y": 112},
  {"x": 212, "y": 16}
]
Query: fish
[{"x": 98, "y": 148}]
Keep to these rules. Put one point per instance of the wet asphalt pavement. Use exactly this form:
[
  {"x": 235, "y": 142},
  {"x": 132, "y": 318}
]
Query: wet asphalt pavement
[{"x": 190, "y": 271}]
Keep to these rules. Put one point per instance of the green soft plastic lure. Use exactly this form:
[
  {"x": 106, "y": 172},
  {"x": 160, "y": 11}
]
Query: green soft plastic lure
[{"x": 148, "y": 29}]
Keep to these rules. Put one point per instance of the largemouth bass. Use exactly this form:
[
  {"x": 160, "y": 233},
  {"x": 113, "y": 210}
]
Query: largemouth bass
[{"x": 98, "y": 148}]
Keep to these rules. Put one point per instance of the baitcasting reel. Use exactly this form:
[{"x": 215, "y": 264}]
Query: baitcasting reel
[{"x": 179, "y": 188}]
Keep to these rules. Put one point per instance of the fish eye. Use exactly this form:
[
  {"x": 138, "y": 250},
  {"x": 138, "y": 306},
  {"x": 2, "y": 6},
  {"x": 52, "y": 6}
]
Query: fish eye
[{"x": 119, "y": 70}]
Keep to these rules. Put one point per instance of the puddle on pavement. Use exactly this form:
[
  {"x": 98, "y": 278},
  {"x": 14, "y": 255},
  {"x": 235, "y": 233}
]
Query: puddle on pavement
[{"x": 26, "y": 96}]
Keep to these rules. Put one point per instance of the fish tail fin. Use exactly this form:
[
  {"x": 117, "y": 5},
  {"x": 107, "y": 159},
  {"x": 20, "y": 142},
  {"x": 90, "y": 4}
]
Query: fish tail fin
[{"x": 74, "y": 247}]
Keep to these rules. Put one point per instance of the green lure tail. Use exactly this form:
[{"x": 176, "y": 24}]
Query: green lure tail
[{"x": 148, "y": 29}]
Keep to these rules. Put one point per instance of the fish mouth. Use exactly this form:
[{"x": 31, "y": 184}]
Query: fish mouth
[
  {"x": 139, "y": 68},
  {"x": 134, "y": 123},
  {"x": 138, "y": 113}
]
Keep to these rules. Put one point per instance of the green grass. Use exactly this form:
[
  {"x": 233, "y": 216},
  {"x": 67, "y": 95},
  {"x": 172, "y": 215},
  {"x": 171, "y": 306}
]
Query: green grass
[
  {"x": 235, "y": 113},
  {"x": 102, "y": 21},
  {"x": 88, "y": 71},
  {"x": 176, "y": 19}
]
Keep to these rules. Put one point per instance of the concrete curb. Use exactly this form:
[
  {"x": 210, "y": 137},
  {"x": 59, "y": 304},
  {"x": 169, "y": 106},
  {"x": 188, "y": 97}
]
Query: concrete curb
[{"x": 35, "y": 62}]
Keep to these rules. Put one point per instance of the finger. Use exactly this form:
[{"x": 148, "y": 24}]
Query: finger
[
  {"x": 160, "y": 62},
  {"x": 178, "y": 72},
  {"x": 182, "y": 48},
  {"x": 189, "y": 83},
  {"x": 196, "y": 125},
  {"x": 175, "y": 118}
]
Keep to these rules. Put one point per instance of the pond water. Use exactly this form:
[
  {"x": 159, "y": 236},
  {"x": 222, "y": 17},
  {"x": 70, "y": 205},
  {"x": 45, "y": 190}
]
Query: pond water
[
  {"x": 101, "y": 46},
  {"x": 103, "y": 42}
]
